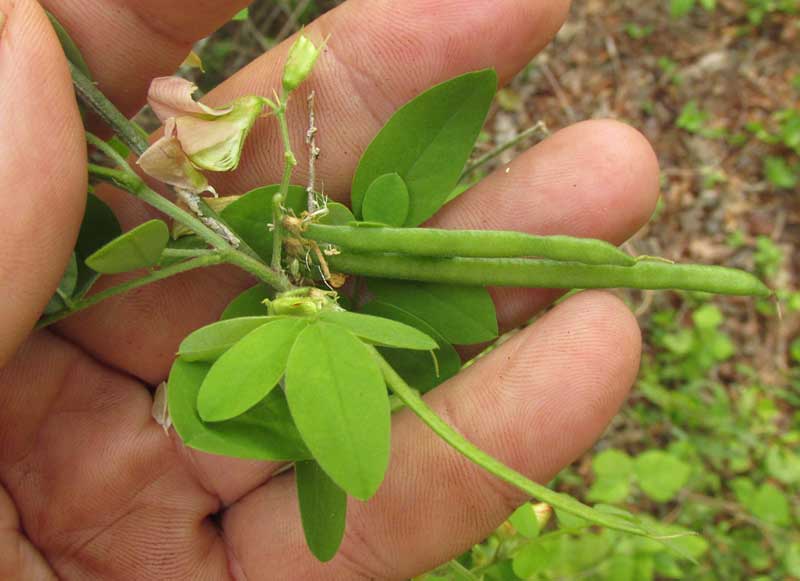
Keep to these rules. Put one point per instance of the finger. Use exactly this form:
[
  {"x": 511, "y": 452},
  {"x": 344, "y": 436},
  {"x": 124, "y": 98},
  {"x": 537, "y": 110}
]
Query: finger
[
  {"x": 537, "y": 403},
  {"x": 41, "y": 129},
  {"x": 596, "y": 179},
  {"x": 129, "y": 42},
  {"x": 101, "y": 491},
  {"x": 18, "y": 558},
  {"x": 408, "y": 52}
]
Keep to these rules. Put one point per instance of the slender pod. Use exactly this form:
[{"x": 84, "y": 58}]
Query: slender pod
[
  {"x": 521, "y": 272},
  {"x": 469, "y": 243}
]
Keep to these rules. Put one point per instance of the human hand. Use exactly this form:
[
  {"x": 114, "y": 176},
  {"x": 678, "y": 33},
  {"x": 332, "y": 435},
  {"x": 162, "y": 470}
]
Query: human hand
[{"x": 93, "y": 488}]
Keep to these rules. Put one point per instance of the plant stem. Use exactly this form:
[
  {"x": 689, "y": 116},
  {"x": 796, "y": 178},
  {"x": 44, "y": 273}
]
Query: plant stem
[
  {"x": 483, "y": 160},
  {"x": 417, "y": 405},
  {"x": 133, "y": 184},
  {"x": 534, "y": 273},
  {"x": 116, "y": 177},
  {"x": 129, "y": 133},
  {"x": 313, "y": 153},
  {"x": 290, "y": 161},
  {"x": 199, "y": 262},
  {"x": 187, "y": 252}
]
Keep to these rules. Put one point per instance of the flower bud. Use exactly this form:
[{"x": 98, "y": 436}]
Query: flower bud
[{"x": 299, "y": 63}]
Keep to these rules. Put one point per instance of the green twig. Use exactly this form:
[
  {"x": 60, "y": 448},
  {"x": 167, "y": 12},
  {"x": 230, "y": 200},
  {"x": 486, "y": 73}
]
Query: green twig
[
  {"x": 290, "y": 161},
  {"x": 483, "y": 160},
  {"x": 200, "y": 262},
  {"x": 134, "y": 185},
  {"x": 417, "y": 405},
  {"x": 93, "y": 97},
  {"x": 116, "y": 177}
]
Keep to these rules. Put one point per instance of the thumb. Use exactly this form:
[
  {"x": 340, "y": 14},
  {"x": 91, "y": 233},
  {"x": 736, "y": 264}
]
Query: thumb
[{"x": 42, "y": 168}]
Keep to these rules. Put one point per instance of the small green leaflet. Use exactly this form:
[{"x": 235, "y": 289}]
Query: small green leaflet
[
  {"x": 427, "y": 142},
  {"x": 661, "y": 475},
  {"x": 250, "y": 303},
  {"x": 323, "y": 507},
  {"x": 380, "y": 331},
  {"x": 211, "y": 341},
  {"x": 137, "y": 248},
  {"x": 338, "y": 215},
  {"x": 265, "y": 432},
  {"x": 419, "y": 369},
  {"x": 250, "y": 215},
  {"x": 248, "y": 371},
  {"x": 461, "y": 314},
  {"x": 386, "y": 201},
  {"x": 99, "y": 227},
  {"x": 65, "y": 287},
  {"x": 338, "y": 400},
  {"x": 525, "y": 521},
  {"x": 243, "y": 14}
]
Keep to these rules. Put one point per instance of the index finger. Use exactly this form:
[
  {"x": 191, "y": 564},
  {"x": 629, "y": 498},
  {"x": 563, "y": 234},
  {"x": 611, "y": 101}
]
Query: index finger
[{"x": 41, "y": 129}]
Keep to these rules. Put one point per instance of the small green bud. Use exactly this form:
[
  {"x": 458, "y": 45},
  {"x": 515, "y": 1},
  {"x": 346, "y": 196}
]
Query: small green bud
[
  {"x": 299, "y": 63},
  {"x": 293, "y": 306}
]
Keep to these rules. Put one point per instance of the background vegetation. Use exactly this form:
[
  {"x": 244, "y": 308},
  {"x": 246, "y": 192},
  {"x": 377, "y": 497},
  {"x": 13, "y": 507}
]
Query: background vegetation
[{"x": 710, "y": 439}]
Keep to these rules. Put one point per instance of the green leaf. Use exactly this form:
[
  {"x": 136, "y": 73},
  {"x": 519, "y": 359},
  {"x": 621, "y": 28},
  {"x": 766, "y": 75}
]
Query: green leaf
[
  {"x": 418, "y": 369},
  {"x": 250, "y": 216},
  {"x": 609, "y": 489},
  {"x": 534, "y": 558},
  {"x": 323, "y": 507},
  {"x": 248, "y": 371},
  {"x": 338, "y": 215},
  {"x": 137, "y": 248},
  {"x": 69, "y": 47},
  {"x": 461, "y": 314},
  {"x": 680, "y": 8},
  {"x": 340, "y": 405},
  {"x": 250, "y": 303},
  {"x": 243, "y": 14},
  {"x": 427, "y": 142},
  {"x": 779, "y": 173},
  {"x": 265, "y": 432},
  {"x": 661, "y": 475},
  {"x": 381, "y": 331},
  {"x": 211, "y": 341},
  {"x": 525, "y": 522},
  {"x": 692, "y": 118},
  {"x": 386, "y": 200},
  {"x": 770, "y": 504},
  {"x": 66, "y": 287},
  {"x": 791, "y": 559},
  {"x": 99, "y": 227},
  {"x": 613, "y": 463},
  {"x": 784, "y": 465}
]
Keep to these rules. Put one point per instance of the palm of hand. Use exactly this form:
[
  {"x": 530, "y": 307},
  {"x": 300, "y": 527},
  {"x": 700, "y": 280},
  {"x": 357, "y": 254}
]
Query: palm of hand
[{"x": 92, "y": 488}]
